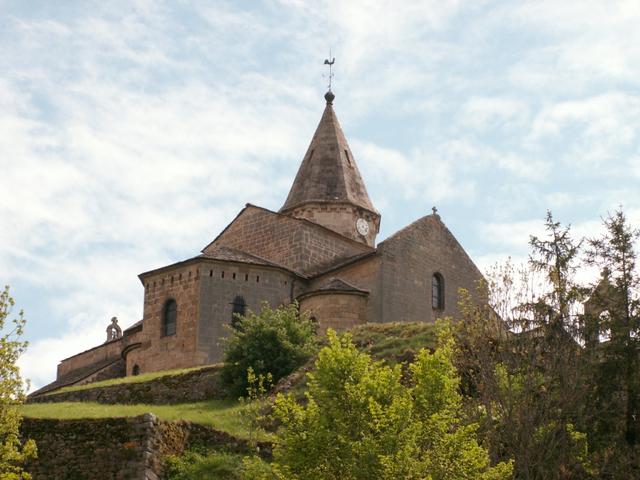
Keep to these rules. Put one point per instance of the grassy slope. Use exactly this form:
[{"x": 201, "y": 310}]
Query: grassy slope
[
  {"x": 219, "y": 414},
  {"x": 393, "y": 342}
]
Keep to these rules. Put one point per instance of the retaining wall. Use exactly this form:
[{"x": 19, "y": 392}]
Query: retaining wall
[{"x": 192, "y": 386}]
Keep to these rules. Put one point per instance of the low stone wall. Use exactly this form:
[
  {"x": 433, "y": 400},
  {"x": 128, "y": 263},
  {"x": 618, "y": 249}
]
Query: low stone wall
[
  {"x": 192, "y": 386},
  {"x": 117, "y": 448},
  {"x": 114, "y": 448}
]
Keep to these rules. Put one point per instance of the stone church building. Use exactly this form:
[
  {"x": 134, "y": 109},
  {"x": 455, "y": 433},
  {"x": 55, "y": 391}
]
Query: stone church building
[{"x": 319, "y": 249}]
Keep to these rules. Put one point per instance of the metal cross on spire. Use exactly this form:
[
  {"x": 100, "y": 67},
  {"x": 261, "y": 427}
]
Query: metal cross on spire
[{"x": 330, "y": 63}]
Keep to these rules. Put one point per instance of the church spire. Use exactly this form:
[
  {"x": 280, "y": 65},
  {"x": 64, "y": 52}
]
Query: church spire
[{"x": 329, "y": 177}]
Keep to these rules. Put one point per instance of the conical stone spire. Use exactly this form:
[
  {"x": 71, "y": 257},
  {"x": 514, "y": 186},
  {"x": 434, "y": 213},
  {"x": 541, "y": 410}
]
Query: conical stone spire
[{"x": 328, "y": 181}]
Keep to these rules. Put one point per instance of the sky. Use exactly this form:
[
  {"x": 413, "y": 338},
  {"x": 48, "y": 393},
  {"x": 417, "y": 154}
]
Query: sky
[{"x": 132, "y": 132}]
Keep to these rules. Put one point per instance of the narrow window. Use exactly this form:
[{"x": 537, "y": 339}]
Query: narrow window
[
  {"x": 437, "y": 291},
  {"x": 257, "y": 278},
  {"x": 346, "y": 154},
  {"x": 239, "y": 307},
  {"x": 169, "y": 318},
  {"x": 135, "y": 370},
  {"x": 211, "y": 273},
  {"x": 246, "y": 277}
]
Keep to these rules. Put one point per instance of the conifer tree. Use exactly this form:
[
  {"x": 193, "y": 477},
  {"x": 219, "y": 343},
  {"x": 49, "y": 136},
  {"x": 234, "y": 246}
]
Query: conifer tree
[
  {"x": 617, "y": 319},
  {"x": 520, "y": 346}
]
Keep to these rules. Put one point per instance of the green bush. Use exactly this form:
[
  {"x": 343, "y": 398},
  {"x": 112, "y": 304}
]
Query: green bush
[
  {"x": 196, "y": 466},
  {"x": 273, "y": 341},
  {"x": 360, "y": 421}
]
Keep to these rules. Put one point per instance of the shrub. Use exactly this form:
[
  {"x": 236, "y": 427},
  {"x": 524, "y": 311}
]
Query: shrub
[
  {"x": 273, "y": 341},
  {"x": 195, "y": 465},
  {"x": 360, "y": 421}
]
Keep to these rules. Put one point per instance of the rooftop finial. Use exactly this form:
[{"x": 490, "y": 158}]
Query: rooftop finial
[{"x": 329, "y": 96}]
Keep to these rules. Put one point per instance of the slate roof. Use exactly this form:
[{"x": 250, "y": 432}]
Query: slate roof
[
  {"x": 328, "y": 173},
  {"x": 220, "y": 252},
  {"x": 335, "y": 285}
]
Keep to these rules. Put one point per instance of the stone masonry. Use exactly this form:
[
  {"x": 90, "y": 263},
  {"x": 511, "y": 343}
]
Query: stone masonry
[{"x": 319, "y": 249}]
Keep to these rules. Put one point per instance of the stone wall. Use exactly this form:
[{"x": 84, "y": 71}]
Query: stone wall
[
  {"x": 95, "y": 355},
  {"x": 192, "y": 386},
  {"x": 296, "y": 244},
  {"x": 113, "y": 370},
  {"x": 341, "y": 218},
  {"x": 114, "y": 448},
  {"x": 336, "y": 310},
  {"x": 410, "y": 258},
  {"x": 117, "y": 448},
  {"x": 164, "y": 352},
  {"x": 220, "y": 284},
  {"x": 364, "y": 274}
]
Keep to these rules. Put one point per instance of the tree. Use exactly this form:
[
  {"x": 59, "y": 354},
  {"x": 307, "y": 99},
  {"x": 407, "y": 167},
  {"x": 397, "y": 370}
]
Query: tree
[
  {"x": 616, "y": 315},
  {"x": 12, "y": 393},
  {"x": 272, "y": 342},
  {"x": 362, "y": 420},
  {"x": 520, "y": 346}
]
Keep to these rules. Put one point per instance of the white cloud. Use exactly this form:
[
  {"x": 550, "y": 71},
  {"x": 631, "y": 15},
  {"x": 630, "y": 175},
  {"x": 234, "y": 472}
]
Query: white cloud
[
  {"x": 483, "y": 113},
  {"x": 130, "y": 134}
]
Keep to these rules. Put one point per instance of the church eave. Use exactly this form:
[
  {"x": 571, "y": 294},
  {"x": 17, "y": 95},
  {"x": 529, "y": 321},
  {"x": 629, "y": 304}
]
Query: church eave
[{"x": 205, "y": 259}]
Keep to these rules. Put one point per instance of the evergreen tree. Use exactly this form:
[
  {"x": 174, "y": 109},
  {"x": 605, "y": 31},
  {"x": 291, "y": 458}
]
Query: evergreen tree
[
  {"x": 520, "y": 346},
  {"x": 616, "y": 317}
]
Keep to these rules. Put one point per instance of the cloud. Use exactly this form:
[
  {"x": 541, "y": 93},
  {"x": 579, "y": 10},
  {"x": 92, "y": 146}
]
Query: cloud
[{"x": 131, "y": 133}]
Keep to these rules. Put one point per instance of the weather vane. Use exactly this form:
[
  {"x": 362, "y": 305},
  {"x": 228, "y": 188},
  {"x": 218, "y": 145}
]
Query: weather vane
[{"x": 330, "y": 63}]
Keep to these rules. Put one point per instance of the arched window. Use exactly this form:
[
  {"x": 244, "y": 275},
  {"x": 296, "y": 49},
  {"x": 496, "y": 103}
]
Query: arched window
[
  {"x": 169, "y": 317},
  {"x": 239, "y": 307},
  {"x": 437, "y": 292},
  {"x": 135, "y": 370}
]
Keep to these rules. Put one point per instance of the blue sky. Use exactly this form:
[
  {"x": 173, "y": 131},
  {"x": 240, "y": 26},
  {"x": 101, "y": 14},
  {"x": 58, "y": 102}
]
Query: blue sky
[{"x": 132, "y": 132}]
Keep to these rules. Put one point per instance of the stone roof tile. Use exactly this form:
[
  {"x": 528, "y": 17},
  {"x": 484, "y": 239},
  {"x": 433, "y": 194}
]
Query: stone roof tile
[{"x": 328, "y": 173}]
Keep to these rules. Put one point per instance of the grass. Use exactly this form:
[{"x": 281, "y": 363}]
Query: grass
[
  {"x": 213, "y": 465},
  {"x": 145, "y": 377},
  {"x": 394, "y": 342},
  {"x": 220, "y": 414}
]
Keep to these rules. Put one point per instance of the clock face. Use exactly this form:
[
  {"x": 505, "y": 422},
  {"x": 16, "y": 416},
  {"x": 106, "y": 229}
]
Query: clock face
[{"x": 362, "y": 226}]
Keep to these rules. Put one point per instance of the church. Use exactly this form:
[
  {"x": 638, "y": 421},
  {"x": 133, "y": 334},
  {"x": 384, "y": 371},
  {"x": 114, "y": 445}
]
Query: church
[{"x": 320, "y": 249}]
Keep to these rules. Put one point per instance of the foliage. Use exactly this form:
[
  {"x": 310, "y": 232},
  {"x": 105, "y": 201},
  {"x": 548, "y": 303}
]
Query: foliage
[
  {"x": 273, "y": 341},
  {"x": 613, "y": 323},
  {"x": 252, "y": 413},
  {"x": 361, "y": 421},
  {"x": 200, "y": 465},
  {"x": 521, "y": 351},
  {"x": 12, "y": 453}
]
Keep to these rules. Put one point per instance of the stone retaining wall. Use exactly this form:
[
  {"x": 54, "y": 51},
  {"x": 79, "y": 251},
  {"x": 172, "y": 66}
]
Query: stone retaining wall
[
  {"x": 113, "y": 448},
  {"x": 192, "y": 386},
  {"x": 117, "y": 448}
]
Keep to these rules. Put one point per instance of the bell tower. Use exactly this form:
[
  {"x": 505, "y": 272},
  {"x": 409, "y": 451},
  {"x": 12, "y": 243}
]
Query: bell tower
[{"x": 328, "y": 189}]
